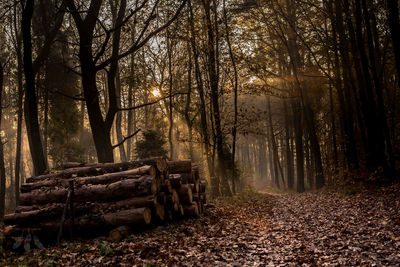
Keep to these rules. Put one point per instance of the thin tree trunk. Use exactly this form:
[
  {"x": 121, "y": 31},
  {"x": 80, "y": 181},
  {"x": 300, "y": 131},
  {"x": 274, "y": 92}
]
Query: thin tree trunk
[
  {"x": 19, "y": 112},
  {"x": 289, "y": 154},
  {"x": 278, "y": 166},
  {"x": 170, "y": 108},
  {"x": 118, "y": 121},
  {"x": 213, "y": 76},
  {"x": 31, "y": 109},
  {"x": 235, "y": 99},
  {"x": 203, "y": 112},
  {"x": 188, "y": 102},
  {"x": 394, "y": 25},
  {"x": 2, "y": 168}
]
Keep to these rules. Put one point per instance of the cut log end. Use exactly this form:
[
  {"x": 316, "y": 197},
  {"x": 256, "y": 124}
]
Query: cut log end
[
  {"x": 191, "y": 210},
  {"x": 120, "y": 232},
  {"x": 147, "y": 215}
]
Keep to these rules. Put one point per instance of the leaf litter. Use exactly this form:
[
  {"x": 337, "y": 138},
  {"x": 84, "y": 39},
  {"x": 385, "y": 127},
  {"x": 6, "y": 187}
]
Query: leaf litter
[{"x": 310, "y": 229}]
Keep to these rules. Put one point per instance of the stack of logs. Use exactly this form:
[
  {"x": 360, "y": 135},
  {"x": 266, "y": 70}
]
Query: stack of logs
[{"x": 109, "y": 196}]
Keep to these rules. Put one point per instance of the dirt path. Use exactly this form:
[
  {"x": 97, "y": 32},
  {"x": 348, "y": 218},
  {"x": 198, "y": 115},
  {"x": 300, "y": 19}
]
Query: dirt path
[{"x": 312, "y": 229}]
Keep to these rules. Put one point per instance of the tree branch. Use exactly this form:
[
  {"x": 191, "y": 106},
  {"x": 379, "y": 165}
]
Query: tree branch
[
  {"x": 153, "y": 102},
  {"x": 126, "y": 138}
]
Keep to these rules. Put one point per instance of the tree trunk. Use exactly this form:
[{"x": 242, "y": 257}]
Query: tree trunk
[
  {"x": 289, "y": 154},
  {"x": 394, "y": 25},
  {"x": 235, "y": 100},
  {"x": 2, "y": 168},
  {"x": 213, "y": 76},
  {"x": 19, "y": 116},
  {"x": 299, "y": 146},
  {"x": 170, "y": 106},
  {"x": 189, "y": 122},
  {"x": 31, "y": 109},
  {"x": 277, "y": 163}
]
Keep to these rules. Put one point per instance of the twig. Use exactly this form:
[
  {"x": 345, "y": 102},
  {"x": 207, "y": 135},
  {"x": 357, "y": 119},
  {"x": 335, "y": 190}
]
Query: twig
[
  {"x": 153, "y": 102},
  {"x": 126, "y": 138},
  {"x": 60, "y": 230}
]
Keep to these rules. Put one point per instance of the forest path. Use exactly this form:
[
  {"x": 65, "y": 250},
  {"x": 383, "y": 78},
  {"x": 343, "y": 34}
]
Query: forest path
[{"x": 309, "y": 229}]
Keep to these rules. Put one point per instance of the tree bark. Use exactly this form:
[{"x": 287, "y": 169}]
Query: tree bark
[
  {"x": 2, "y": 168},
  {"x": 31, "y": 109},
  {"x": 213, "y": 77},
  {"x": 394, "y": 25}
]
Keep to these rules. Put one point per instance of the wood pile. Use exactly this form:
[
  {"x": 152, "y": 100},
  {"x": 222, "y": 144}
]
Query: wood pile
[{"x": 101, "y": 197}]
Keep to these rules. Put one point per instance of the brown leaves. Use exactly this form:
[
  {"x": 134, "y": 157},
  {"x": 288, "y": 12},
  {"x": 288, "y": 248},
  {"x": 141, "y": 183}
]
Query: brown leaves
[{"x": 313, "y": 229}]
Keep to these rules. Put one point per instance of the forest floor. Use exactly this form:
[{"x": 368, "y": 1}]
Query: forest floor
[{"x": 254, "y": 229}]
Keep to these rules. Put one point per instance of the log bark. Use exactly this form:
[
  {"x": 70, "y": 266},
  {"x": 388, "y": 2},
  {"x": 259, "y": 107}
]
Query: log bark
[
  {"x": 176, "y": 180},
  {"x": 32, "y": 214},
  {"x": 195, "y": 187},
  {"x": 187, "y": 178},
  {"x": 166, "y": 186},
  {"x": 120, "y": 233},
  {"x": 171, "y": 204},
  {"x": 92, "y": 169},
  {"x": 143, "y": 186},
  {"x": 45, "y": 213},
  {"x": 180, "y": 166},
  {"x": 100, "y": 179},
  {"x": 195, "y": 172},
  {"x": 191, "y": 210},
  {"x": 202, "y": 186},
  {"x": 159, "y": 212},
  {"x": 185, "y": 194},
  {"x": 139, "y": 216},
  {"x": 160, "y": 198}
]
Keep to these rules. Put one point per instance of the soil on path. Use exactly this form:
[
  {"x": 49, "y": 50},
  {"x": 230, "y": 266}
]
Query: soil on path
[{"x": 310, "y": 229}]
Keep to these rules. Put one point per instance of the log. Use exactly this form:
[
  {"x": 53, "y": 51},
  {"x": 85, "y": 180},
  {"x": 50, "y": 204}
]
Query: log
[
  {"x": 130, "y": 203},
  {"x": 185, "y": 194},
  {"x": 191, "y": 210},
  {"x": 171, "y": 204},
  {"x": 202, "y": 197},
  {"x": 179, "y": 166},
  {"x": 143, "y": 186},
  {"x": 160, "y": 198},
  {"x": 195, "y": 187},
  {"x": 139, "y": 216},
  {"x": 181, "y": 210},
  {"x": 202, "y": 185},
  {"x": 159, "y": 211},
  {"x": 186, "y": 178},
  {"x": 52, "y": 211},
  {"x": 166, "y": 187},
  {"x": 69, "y": 165},
  {"x": 176, "y": 180},
  {"x": 117, "y": 234},
  {"x": 100, "y": 179},
  {"x": 196, "y": 172},
  {"x": 101, "y": 168}
]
